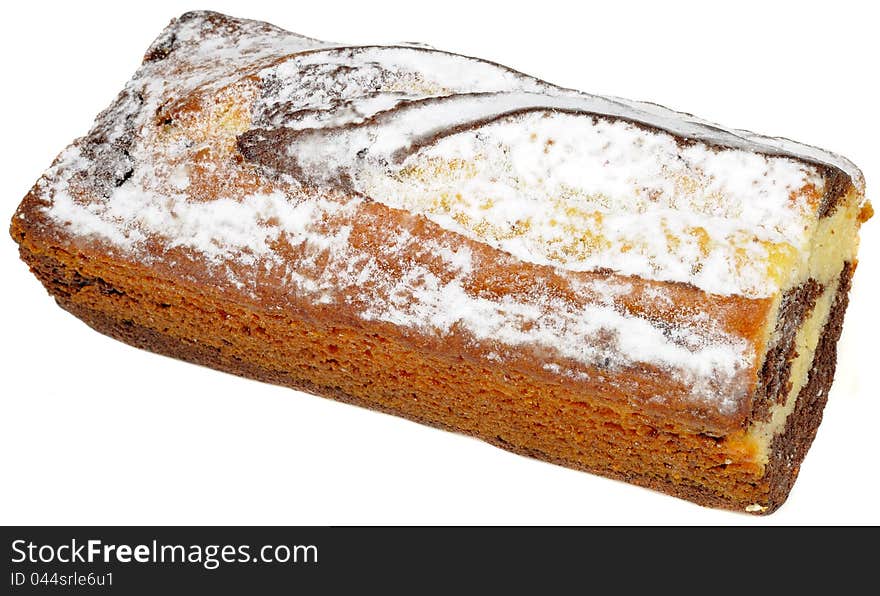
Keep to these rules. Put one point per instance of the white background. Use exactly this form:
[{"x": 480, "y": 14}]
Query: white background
[{"x": 95, "y": 432}]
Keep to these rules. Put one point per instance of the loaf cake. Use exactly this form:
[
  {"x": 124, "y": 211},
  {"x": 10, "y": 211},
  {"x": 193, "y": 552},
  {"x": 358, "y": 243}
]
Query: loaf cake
[{"x": 596, "y": 282}]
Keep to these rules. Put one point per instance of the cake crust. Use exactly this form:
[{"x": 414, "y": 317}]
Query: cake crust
[{"x": 502, "y": 407}]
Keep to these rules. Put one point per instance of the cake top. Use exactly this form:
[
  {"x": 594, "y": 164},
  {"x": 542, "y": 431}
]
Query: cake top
[
  {"x": 549, "y": 175},
  {"x": 263, "y": 152}
]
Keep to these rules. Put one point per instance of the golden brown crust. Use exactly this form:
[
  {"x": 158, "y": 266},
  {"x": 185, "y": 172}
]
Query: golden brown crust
[
  {"x": 522, "y": 412},
  {"x": 375, "y": 226}
]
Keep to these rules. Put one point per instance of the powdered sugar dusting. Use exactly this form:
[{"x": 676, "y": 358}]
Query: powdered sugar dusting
[
  {"x": 568, "y": 192},
  {"x": 369, "y": 127},
  {"x": 422, "y": 301}
]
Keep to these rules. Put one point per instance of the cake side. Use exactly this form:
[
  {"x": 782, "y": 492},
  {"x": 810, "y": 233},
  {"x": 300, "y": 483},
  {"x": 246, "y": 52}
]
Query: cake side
[
  {"x": 543, "y": 305},
  {"x": 372, "y": 365},
  {"x": 633, "y": 268}
]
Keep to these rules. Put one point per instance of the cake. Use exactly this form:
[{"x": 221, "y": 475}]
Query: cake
[{"x": 600, "y": 283}]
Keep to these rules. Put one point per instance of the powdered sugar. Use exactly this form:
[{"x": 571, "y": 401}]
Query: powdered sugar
[
  {"x": 530, "y": 174},
  {"x": 568, "y": 191},
  {"x": 420, "y": 300}
]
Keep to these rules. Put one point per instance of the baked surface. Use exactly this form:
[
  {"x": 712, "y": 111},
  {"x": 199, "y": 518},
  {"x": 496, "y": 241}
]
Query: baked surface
[{"x": 600, "y": 283}]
